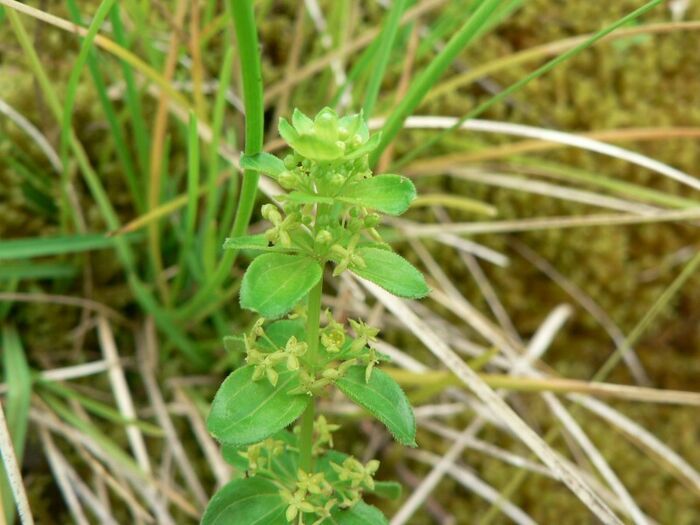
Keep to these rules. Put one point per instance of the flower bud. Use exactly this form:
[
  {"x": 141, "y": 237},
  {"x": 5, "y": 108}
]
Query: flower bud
[
  {"x": 337, "y": 180},
  {"x": 331, "y": 373},
  {"x": 371, "y": 220},
  {"x": 288, "y": 180},
  {"x": 271, "y": 213},
  {"x": 324, "y": 237}
]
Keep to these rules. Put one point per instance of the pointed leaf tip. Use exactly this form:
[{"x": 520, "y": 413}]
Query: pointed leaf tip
[
  {"x": 384, "y": 399},
  {"x": 392, "y": 272}
]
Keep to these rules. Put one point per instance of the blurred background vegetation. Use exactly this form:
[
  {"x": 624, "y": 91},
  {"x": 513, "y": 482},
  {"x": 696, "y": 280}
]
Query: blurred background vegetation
[{"x": 67, "y": 291}]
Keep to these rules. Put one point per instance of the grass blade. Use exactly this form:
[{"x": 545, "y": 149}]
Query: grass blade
[
  {"x": 72, "y": 88},
  {"x": 432, "y": 73},
  {"x": 117, "y": 133},
  {"x": 131, "y": 95},
  {"x": 37, "y": 271},
  {"x": 217, "y": 128},
  {"x": 62, "y": 244},
  {"x": 546, "y": 68},
  {"x": 190, "y": 219},
  {"x": 385, "y": 44},
  {"x": 19, "y": 393},
  {"x": 246, "y": 32}
]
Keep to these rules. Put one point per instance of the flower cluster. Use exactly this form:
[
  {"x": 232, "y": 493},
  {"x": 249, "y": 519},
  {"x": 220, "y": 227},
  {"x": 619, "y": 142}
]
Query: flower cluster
[
  {"x": 328, "y": 161},
  {"x": 339, "y": 350},
  {"x": 340, "y": 483}
]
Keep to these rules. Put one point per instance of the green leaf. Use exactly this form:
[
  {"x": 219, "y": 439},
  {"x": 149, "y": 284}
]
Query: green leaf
[
  {"x": 253, "y": 501},
  {"x": 326, "y": 125},
  {"x": 301, "y": 122},
  {"x": 360, "y": 514},
  {"x": 390, "y": 194},
  {"x": 392, "y": 272},
  {"x": 354, "y": 124},
  {"x": 287, "y": 131},
  {"x": 263, "y": 162},
  {"x": 274, "y": 283},
  {"x": 387, "y": 490},
  {"x": 246, "y": 242},
  {"x": 384, "y": 399},
  {"x": 246, "y": 411}
]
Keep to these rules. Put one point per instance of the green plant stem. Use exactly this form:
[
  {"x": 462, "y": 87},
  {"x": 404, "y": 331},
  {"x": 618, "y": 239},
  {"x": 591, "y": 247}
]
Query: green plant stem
[
  {"x": 247, "y": 36},
  {"x": 306, "y": 438},
  {"x": 313, "y": 320}
]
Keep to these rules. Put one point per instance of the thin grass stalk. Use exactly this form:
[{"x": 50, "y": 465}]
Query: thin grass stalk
[
  {"x": 132, "y": 98},
  {"x": 14, "y": 474},
  {"x": 122, "y": 150},
  {"x": 69, "y": 100},
  {"x": 422, "y": 84},
  {"x": 190, "y": 218},
  {"x": 546, "y": 68},
  {"x": 217, "y": 127},
  {"x": 158, "y": 154},
  {"x": 195, "y": 43},
  {"x": 385, "y": 45},
  {"x": 249, "y": 56}
]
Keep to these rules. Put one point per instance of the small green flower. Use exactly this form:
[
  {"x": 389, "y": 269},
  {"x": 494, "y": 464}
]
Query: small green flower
[
  {"x": 364, "y": 334},
  {"x": 294, "y": 349},
  {"x": 313, "y": 483},
  {"x": 372, "y": 360},
  {"x": 356, "y": 473},
  {"x": 324, "y": 431},
  {"x": 281, "y": 227},
  {"x": 265, "y": 366},
  {"x": 333, "y": 334},
  {"x": 296, "y": 503},
  {"x": 306, "y": 383},
  {"x": 324, "y": 512},
  {"x": 347, "y": 256}
]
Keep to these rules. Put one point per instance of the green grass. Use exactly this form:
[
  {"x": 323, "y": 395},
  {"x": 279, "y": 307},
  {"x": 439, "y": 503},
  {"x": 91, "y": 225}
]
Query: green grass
[
  {"x": 546, "y": 68},
  {"x": 57, "y": 245},
  {"x": 19, "y": 386},
  {"x": 101, "y": 120},
  {"x": 384, "y": 46},
  {"x": 244, "y": 23},
  {"x": 437, "y": 67}
]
